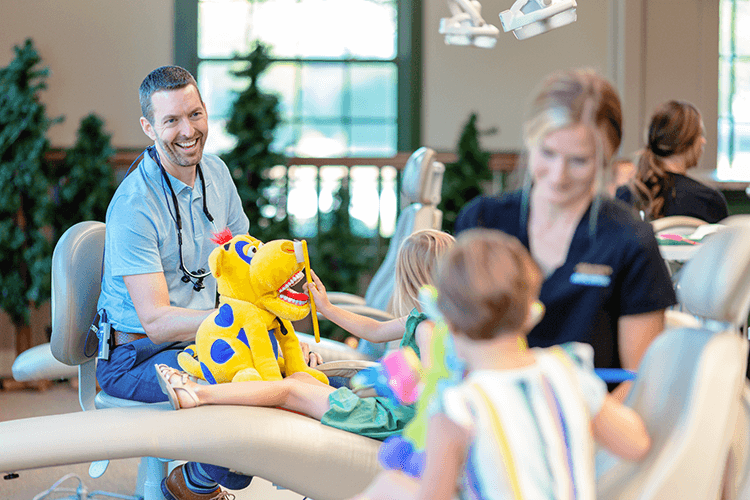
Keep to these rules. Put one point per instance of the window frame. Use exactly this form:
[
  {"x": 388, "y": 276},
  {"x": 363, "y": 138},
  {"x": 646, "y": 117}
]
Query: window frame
[{"x": 408, "y": 62}]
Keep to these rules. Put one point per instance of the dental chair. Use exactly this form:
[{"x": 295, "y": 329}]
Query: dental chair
[
  {"x": 76, "y": 283},
  {"x": 691, "y": 392},
  {"x": 291, "y": 450},
  {"x": 421, "y": 187},
  {"x": 681, "y": 225},
  {"x": 691, "y": 387}
]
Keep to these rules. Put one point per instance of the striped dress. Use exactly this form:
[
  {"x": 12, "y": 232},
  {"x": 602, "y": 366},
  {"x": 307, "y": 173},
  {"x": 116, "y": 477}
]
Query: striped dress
[{"x": 531, "y": 427}]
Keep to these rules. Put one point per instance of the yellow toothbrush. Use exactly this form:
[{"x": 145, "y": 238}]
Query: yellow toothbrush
[{"x": 313, "y": 310}]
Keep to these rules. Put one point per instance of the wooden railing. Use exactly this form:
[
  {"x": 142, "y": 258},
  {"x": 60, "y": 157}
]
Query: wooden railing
[{"x": 500, "y": 164}]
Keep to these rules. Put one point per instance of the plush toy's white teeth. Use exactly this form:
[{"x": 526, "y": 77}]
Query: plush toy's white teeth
[
  {"x": 291, "y": 296},
  {"x": 293, "y": 301},
  {"x": 292, "y": 281}
]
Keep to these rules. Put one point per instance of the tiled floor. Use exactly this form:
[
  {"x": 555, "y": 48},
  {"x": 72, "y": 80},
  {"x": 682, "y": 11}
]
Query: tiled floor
[{"x": 121, "y": 474}]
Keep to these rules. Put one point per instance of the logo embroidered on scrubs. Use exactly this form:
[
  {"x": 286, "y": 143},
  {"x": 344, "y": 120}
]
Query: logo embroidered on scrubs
[{"x": 591, "y": 275}]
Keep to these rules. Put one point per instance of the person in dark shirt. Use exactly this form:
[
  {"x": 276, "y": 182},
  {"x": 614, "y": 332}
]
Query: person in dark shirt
[
  {"x": 605, "y": 281},
  {"x": 661, "y": 187}
]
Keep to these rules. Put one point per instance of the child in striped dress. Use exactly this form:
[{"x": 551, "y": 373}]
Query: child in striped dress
[{"x": 523, "y": 422}]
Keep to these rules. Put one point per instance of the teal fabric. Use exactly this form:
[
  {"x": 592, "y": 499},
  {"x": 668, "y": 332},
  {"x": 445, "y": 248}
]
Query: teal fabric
[
  {"x": 377, "y": 417},
  {"x": 409, "y": 339}
]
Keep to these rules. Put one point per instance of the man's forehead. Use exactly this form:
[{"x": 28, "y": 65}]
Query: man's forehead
[{"x": 170, "y": 99}]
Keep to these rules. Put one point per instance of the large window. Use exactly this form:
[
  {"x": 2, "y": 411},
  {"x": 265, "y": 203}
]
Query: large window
[
  {"x": 346, "y": 71},
  {"x": 734, "y": 90}
]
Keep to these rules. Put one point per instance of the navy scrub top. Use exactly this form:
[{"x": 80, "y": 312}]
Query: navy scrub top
[
  {"x": 615, "y": 271},
  {"x": 687, "y": 196}
]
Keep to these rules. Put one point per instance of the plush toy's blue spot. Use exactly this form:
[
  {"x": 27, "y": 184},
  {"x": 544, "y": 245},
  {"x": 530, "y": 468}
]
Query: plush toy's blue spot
[
  {"x": 207, "y": 374},
  {"x": 221, "y": 351},
  {"x": 242, "y": 337},
  {"x": 274, "y": 344},
  {"x": 225, "y": 318},
  {"x": 240, "y": 248},
  {"x": 190, "y": 351}
]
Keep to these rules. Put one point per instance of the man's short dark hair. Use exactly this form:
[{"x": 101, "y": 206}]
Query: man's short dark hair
[{"x": 163, "y": 78}]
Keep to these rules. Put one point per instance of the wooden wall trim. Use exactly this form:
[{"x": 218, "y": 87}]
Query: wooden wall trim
[{"x": 499, "y": 161}]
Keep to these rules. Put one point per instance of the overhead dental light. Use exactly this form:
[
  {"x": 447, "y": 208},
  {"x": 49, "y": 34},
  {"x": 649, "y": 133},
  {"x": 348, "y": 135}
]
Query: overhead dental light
[
  {"x": 526, "y": 18},
  {"x": 466, "y": 26}
]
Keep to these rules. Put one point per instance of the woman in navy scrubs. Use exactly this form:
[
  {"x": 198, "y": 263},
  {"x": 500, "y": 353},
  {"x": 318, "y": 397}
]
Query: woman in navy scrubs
[
  {"x": 606, "y": 283},
  {"x": 661, "y": 186}
]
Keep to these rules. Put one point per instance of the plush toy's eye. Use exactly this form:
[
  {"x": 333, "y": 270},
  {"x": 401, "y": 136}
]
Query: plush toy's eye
[
  {"x": 226, "y": 246},
  {"x": 245, "y": 254}
]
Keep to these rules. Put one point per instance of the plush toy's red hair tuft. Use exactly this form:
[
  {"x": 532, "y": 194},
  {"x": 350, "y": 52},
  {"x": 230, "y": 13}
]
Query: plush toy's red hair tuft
[{"x": 222, "y": 236}]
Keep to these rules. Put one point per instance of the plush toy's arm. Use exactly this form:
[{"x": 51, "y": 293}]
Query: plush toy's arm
[
  {"x": 294, "y": 360},
  {"x": 261, "y": 350}
]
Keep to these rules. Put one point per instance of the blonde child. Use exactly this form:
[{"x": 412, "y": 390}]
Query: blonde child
[
  {"x": 300, "y": 392},
  {"x": 522, "y": 422}
]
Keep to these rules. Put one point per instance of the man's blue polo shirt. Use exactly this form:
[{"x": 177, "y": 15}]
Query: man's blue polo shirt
[{"x": 141, "y": 235}]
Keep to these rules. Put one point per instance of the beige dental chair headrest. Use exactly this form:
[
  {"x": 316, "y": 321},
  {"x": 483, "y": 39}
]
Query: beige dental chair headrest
[
  {"x": 715, "y": 283},
  {"x": 422, "y": 179}
]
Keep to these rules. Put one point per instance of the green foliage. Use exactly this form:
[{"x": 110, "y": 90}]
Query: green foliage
[
  {"x": 463, "y": 179},
  {"x": 338, "y": 256},
  {"x": 25, "y": 247},
  {"x": 253, "y": 120},
  {"x": 86, "y": 181}
]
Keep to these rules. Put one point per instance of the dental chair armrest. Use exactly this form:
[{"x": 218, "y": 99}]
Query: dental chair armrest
[
  {"x": 38, "y": 363},
  {"x": 345, "y": 367},
  {"x": 331, "y": 350},
  {"x": 340, "y": 298}
]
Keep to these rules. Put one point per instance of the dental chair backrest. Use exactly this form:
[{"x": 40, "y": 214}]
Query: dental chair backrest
[
  {"x": 715, "y": 283},
  {"x": 690, "y": 382},
  {"x": 421, "y": 186},
  {"x": 76, "y": 282}
]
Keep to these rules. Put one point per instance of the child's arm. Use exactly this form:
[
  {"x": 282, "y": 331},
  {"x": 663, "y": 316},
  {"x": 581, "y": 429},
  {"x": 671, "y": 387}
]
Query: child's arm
[
  {"x": 423, "y": 336},
  {"x": 621, "y": 430},
  {"x": 445, "y": 455},
  {"x": 446, "y": 451},
  {"x": 360, "y": 326}
]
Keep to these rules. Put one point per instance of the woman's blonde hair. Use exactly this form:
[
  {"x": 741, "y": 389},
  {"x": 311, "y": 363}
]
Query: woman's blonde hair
[
  {"x": 415, "y": 266},
  {"x": 674, "y": 129},
  {"x": 487, "y": 283},
  {"x": 577, "y": 97}
]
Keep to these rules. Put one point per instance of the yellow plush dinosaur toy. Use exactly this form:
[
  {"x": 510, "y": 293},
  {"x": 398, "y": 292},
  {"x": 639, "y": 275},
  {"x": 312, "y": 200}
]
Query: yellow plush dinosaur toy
[{"x": 250, "y": 336}]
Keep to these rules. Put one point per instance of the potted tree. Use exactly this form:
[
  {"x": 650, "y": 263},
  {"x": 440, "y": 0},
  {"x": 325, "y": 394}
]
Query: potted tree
[{"x": 25, "y": 244}]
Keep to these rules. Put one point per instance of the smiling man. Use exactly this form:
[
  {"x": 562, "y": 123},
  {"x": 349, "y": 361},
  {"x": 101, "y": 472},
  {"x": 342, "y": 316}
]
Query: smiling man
[{"x": 156, "y": 289}]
